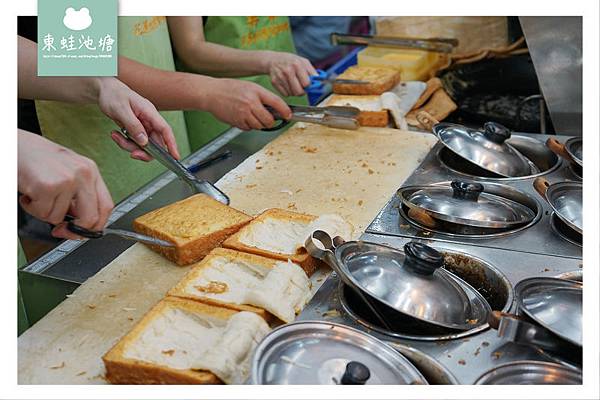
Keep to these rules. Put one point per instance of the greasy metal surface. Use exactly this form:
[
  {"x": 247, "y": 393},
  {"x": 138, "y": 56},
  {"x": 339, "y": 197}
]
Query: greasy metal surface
[
  {"x": 539, "y": 238},
  {"x": 317, "y": 352},
  {"x": 555, "y": 45},
  {"x": 530, "y": 373},
  {"x": 467, "y": 357}
]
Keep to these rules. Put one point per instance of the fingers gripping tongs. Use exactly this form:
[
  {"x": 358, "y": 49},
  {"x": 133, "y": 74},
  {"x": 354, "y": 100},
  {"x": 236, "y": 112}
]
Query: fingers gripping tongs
[
  {"x": 163, "y": 156},
  {"x": 333, "y": 116}
]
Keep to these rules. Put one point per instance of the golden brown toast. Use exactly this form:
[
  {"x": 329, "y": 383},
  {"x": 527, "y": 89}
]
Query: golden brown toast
[
  {"x": 380, "y": 80},
  {"x": 195, "y": 225}
]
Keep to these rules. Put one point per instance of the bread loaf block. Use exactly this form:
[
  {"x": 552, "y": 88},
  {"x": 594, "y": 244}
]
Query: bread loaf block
[
  {"x": 186, "y": 342},
  {"x": 195, "y": 225},
  {"x": 247, "y": 282},
  {"x": 380, "y": 80}
]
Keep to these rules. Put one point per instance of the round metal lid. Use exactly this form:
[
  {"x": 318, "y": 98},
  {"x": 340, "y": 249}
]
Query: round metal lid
[
  {"x": 467, "y": 203},
  {"x": 530, "y": 373},
  {"x": 554, "y": 303},
  {"x": 413, "y": 283},
  {"x": 566, "y": 198},
  {"x": 487, "y": 149},
  {"x": 325, "y": 353},
  {"x": 574, "y": 147}
]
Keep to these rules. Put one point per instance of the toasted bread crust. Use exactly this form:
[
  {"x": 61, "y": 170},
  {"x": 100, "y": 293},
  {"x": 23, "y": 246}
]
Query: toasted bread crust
[
  {"x": 121, "y": 370},
  {"x": 373, "y": 118},
  {"x": 380, "y": 80},
  {"x": 192, "y": 249},
  {"x": 179, "y": 289},
  {"x": 302, "y": 258}
]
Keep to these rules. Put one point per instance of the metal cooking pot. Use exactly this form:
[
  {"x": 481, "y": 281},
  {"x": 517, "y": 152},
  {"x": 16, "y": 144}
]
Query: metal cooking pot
[
  {"x": 565, "y": 198},
  {"x": 487, "y": 149},
  {"x": 410, "y": 282},
  {"x": 549, "y": 316},
  {"x": 571, "y": 151},
  {"x": 321, "y": 353},
  {"x": 464, "y": 203},
  {"x": 530, "y": 373}
]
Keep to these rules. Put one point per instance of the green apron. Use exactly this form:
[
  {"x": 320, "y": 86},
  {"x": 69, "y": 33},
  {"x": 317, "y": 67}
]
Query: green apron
[
  {"x": 85, "y": 130},
  {"x": 248, "y": 33}
]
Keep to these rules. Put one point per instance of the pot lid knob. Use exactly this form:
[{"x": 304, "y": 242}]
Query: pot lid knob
[
  {"x": 422, "y": 258},
  {"x": 466, "y": 190},
  {"x": 356, "y": 374},
  {"x": 495, "y": 132}
]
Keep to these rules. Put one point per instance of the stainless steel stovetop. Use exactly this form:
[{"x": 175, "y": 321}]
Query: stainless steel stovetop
[{"x": 532, "y": 252}]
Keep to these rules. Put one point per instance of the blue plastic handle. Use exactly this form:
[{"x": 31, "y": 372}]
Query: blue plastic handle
[{"x": 316, "y": 80}]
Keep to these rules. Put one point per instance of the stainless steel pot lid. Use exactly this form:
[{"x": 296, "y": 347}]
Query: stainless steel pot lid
[
  {"x": 410, "y": 282},
  {"x": 325, "y": 353},
  {"x": 574, "y": 147},
  {"x": 555, "y": 304},
  {"x": 487, "y": 149},
  {"x": 530, "y": 373},
  {"x": 466, "y": 203},
  {"x": 566, "y": 199}
]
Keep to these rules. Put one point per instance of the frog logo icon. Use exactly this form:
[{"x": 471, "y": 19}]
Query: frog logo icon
[{"x": 77, "y": 20}]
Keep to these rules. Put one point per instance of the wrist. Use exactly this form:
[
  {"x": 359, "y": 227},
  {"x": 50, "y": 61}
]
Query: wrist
[
  {"x": 266, "y": 58},
  {"x": 94, "y": 90},
  {"x": 205, "y": 90}
]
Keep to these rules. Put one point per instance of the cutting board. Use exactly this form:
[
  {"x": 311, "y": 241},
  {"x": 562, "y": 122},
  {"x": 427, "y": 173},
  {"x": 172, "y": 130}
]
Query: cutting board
[{"x": 309, "y": 169}]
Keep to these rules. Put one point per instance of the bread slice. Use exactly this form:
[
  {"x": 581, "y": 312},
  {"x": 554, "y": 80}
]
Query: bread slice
[
  {"x": 280, "y": 234},
  {"x": 185, "y": 342},
  {"x": 380, "y": 80},
  {"x": 195, "y": 225},
  {"x": 247, "y": 282},
  {"x": 371, "y": 109},
  {"x": 277, "y": 234}
]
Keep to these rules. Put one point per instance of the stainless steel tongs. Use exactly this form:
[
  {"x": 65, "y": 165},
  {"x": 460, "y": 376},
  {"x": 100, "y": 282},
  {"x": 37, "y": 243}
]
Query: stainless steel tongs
[
  {"x": 333, "y": 116},
  {"x": 441, "y": 45},
  {"x": 163, "y": 156}
]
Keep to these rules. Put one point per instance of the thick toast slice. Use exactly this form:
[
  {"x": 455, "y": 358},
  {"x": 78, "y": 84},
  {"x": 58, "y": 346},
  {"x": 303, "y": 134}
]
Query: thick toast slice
[
  {"x": 195, "y": 225},
  {"x": 277, "y": 234},
  {"x": 372, "y": 112},
  {"x": 175, "y": 343},
  {"x": 246, "y": 282},
  {"x": 380, "y": 80}
]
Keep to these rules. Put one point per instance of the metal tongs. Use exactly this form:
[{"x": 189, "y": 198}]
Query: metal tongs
[
  {"x": 89, "y": 234},
  {"x": 333, "y": 116},
  {"x": 163, "y": 156},
  {"x": 439, "y": 45}
]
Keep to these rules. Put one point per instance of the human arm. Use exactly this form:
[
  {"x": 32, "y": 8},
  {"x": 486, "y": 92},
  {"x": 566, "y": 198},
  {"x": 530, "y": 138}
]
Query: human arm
[
  {"x": 127, "y": 108},
  {"x": 54, "y": 181},
  {"x": 238, "y": 103},
  {"x": 289, "y": 72}
]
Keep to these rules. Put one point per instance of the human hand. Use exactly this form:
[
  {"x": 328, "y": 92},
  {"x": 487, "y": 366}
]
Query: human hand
[
  {"x": 242, "y": 104},
  {"x": 289, "y": 73},
  {"x": 131, "y": 111},
  {"x": 55, "y": 181}
]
